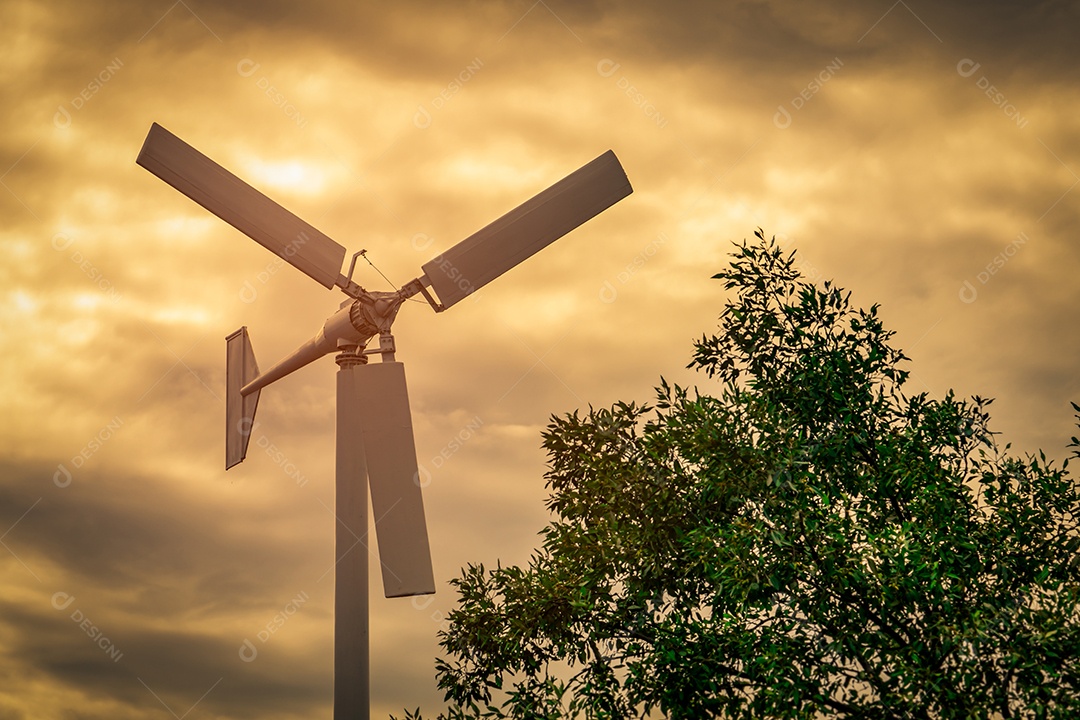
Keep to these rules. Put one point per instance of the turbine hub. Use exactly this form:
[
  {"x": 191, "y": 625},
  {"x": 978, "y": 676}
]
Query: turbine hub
[{"x": 372, "y": 313}]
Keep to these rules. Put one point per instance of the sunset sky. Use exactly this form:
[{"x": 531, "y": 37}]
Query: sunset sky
[{"x": 925, "y": 156}]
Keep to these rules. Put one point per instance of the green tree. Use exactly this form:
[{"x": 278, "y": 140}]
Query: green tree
[{"x": 806, "y": 541}]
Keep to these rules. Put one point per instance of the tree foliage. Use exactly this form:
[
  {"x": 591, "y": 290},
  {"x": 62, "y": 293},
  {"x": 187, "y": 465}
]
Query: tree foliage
[{"x": 807, "y": 540}]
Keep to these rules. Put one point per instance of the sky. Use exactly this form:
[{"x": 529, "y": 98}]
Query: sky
[{"x": 925, "y": 156}]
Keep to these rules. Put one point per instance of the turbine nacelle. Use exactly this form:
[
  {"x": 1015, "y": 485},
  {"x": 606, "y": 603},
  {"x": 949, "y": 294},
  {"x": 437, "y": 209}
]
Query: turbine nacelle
[{"x": 352, "y": 326}]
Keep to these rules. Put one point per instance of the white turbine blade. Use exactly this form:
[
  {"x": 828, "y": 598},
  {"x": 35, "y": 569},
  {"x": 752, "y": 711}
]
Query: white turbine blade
[
  {"x": 241, "y": 205},
  {"x": 527, "y": 229},
  {"x": 396, "y": 503},
  {"x": 240, "y": 369}
]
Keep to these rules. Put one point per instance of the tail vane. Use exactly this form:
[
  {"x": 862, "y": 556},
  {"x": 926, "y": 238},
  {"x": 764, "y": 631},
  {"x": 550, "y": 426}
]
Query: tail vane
[{"x": 240, "y": 369}]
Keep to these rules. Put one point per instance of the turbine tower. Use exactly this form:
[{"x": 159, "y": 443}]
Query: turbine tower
[{"x": 375, "y": 445}]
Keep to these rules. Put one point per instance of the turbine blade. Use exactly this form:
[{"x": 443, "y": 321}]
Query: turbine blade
[
  {"x": 396, "y": 502},
  {"x": 242, "y": 206},
  {"x": 527, "y": 229},
  {"x": 240, "y": 369}
]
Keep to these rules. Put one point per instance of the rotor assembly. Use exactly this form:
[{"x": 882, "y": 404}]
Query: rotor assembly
[{"x": 375, "y": 446}]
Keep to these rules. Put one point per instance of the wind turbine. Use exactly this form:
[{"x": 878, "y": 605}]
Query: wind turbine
[{"x": 375, "y": 445}]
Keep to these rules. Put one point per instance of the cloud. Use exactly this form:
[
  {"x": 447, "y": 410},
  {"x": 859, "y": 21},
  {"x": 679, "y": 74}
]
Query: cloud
[{"x": 900, "y": 148}]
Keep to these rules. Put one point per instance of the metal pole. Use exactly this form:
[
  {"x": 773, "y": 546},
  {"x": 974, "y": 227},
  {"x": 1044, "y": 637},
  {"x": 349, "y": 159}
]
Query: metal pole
[{"x": 352, "y": 700}]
